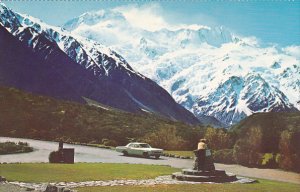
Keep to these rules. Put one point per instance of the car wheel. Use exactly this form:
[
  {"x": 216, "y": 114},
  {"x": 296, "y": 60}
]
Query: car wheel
[
  {"x": 157, "y": 156},
  {"x": 125, "y": 153},
  {"x": 146, "y": 155}
]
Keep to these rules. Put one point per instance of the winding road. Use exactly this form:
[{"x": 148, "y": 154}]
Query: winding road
[{"x": 94, "y": 154}]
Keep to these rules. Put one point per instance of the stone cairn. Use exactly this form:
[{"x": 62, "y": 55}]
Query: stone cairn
[{"x": 209, "y": 174}]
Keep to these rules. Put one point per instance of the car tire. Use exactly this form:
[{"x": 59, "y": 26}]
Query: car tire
[
  {"x": 146, "y": 155},
  {"x": 125, "y": 153},
  {"x": 157, "y": 156}
]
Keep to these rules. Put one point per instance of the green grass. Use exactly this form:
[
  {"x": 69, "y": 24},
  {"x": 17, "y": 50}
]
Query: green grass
[
  {"x": 44, "y": 172},
  {"x": 40, "y": 172},
  {"x": 181, "y": 153},
  {"x": 262, "y": 186}
]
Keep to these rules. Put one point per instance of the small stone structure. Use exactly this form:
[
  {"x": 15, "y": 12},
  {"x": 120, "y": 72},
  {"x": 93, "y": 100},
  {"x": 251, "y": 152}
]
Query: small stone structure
[
  {"x": 208, "y": 165},
  {"x": 209, "y": 174},
  {"x": 63, "y": 155},
  {"x": 67, "y": 154}
]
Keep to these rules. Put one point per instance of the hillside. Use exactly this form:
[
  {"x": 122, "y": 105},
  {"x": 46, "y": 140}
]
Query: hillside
[
  {"x": 39, "y": 117},
  {"x": 271, "y": 126},
  {"x": 47, "y": 60}
]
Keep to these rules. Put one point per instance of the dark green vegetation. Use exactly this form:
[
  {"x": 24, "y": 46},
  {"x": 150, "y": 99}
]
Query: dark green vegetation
[
  {"x": 38, "y": 117},
  {"x": 81, "y": 172},
  {"x": 11, "y": 147},
  {"x": 269, "y": 140},
  {"x": 261, "y": 186}
]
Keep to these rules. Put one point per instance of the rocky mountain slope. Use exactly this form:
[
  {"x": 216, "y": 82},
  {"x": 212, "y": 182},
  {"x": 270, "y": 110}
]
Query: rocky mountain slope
[{"x": 48, "y": 60}]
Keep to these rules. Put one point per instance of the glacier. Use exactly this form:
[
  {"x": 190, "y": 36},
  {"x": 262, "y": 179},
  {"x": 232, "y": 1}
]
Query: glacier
[{"x": 208, "y": 70}]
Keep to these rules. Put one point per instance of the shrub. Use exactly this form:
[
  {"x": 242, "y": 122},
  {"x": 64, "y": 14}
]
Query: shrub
[
  {"x": 224, "y": 156},
  {"x": 93, "y": 142},
  {"x": 165, "y": 138},
  {"x": 11, "y": 147},
  {"x": 109, "y": 142},
  {"x": 246, "y": 151},
  {"x": 289, "y": 151},
  {"x": 218, "y": 138},
  {"x": 270, "y": 160},
  {"x": 54, "y": 157}
]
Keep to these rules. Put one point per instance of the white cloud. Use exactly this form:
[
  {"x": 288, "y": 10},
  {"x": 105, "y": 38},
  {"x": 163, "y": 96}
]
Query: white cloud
[
  {"x": 150, "y": 17},
  {"x": 191, "y": 27},
  {"x": 146, "y": 17},
  {"x": 292, "y": 50}
]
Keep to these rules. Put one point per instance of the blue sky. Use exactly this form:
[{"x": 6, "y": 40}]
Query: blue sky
[{"x": 269, "y": 21}]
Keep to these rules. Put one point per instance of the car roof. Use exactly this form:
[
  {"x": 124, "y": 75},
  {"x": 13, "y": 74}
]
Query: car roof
[{"x": 137, "y": 143}]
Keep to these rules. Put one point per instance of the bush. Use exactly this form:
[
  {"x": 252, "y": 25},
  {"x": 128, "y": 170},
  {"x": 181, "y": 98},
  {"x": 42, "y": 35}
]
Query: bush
[
  {"x": 165, "y": 138},
  {"x": 54, "y": 157},
  {"x": 270, "y": 160},
  {"x": 224, "y": 156},
  {"x": 218, "y": 138},
  {"x": 289, "y": 151},
  {"x": 93, "y": 142},
  {"x": 247, "y": 150},
  {"x": 109, "y": 142},
  {"x": 11, "y": 147}
]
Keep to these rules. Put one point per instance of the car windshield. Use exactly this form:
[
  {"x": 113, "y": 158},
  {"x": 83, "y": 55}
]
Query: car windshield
[{"x": 144, "y": 145}]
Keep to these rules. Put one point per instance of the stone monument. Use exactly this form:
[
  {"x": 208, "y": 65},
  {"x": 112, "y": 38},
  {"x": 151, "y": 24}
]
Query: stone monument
[
  {"x": 67, "y": 154},
  {"x": 63, "y": 155},
  {"x": 207, "y": 174}
]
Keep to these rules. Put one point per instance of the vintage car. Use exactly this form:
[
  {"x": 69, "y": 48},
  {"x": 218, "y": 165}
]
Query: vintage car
[{"x": 139, "y": 149}]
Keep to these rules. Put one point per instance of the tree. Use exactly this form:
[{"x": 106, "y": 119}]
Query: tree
[
  {"x": 247, "y": 150},
  {"x": 165, "y": 138},
  {"x": 289, "y": 151},
  {"x": 218, "y": 138}
]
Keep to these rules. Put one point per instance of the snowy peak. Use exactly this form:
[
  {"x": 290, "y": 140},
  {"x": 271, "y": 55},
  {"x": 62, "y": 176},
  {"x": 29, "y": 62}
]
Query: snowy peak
[
  {"x": 96, "y": 25},
  {"x": 92, "y": 18},
  {"x": 8, "y": 18},
  {"x": 90, "y": 54},
  {"x": 79, "y": 67},
  {"x": 239, "y": 97},
  {"x": 209, "y": 71}
]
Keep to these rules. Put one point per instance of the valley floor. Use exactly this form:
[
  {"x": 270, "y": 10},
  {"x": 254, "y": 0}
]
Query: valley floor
[{"x": 92, "y": 154}]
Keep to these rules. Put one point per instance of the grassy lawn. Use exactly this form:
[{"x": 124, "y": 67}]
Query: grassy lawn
[
  {"x": 44, "y": 172},
  {"x": 262, "y": 186},
  {"x": 181, "y": 153}
]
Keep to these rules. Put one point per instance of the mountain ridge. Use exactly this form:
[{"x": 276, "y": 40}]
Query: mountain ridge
[
  {"x": 191, "y": 63},
  {"x": 107, "y": 77}
]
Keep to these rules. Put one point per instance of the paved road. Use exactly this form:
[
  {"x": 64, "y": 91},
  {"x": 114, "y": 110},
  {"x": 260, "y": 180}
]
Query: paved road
[
  {"x": 84, "y": 154},
  {"x": 93, "y": 154}
]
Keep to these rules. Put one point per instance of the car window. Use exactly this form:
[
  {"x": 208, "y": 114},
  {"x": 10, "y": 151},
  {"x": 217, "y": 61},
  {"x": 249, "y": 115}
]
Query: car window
[{"x": 144, "y": 145}]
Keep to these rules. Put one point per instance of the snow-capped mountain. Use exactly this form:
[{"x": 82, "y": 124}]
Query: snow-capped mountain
[
  {"x": 240, "y": 97},
  {"x": 210, "y": 71},
  {"x": 71, "y": 67}
]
